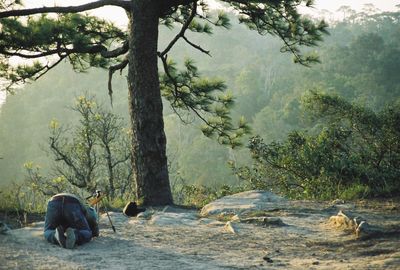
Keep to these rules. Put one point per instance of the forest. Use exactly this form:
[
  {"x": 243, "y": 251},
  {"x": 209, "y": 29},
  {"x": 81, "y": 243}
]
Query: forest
[{"x": 326, "y": 131}]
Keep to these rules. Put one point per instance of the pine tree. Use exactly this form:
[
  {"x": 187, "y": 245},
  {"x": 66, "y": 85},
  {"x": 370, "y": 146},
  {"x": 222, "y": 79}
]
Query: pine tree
[{"x": 86, "y": 41}]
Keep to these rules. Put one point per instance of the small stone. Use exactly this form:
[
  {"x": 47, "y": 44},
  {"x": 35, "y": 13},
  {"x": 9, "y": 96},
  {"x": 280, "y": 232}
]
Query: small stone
[
  {"x": 229, "y": 227},
  {"x": 315, "y": 263},
  {"x": 268, "y": 259},
  {"x": 273, "y": 221}
]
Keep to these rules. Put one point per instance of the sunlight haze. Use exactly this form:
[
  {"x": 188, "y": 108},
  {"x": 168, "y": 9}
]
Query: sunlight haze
[{"x": 117, "y": 15}]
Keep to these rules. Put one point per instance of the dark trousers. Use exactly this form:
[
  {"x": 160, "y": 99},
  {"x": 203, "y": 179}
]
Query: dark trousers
[{"x": 67, "y": 214}]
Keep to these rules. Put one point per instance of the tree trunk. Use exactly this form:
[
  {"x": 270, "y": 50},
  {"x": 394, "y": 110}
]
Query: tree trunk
[{"x": 149, "y": 161}]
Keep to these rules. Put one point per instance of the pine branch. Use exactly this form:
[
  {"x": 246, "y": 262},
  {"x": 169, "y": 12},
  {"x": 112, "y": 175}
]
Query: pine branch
[
  {"x": 182, "y": 32},
  {"x": 282, "y": 19},
  {"x": 116, "y": 52},
  {"x": 166, "y": 70},
  {"x": 111, "y": 72},
  {"x": 49, "y": 67},
  {"x": 36, "y": 74},
  {"x": 32, "y": 56},
  {"x": 196, "y": 46},
  {"x": 186, "y": 122},
  {"x": 91, "y": 50},
  {"x": 186, "y": 103},
  {"x": 68, "y": 9}
]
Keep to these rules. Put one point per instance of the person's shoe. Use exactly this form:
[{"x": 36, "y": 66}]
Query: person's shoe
[
  {"x": 71, "y": 238},
  {"x": 59, "y": 236}
]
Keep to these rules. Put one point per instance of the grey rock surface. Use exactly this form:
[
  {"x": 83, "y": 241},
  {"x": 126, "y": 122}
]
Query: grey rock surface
[{"x": 245, "y": 201}]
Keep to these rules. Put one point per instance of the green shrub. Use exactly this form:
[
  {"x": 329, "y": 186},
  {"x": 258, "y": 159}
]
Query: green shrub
[
  {"x": 355, "y": 153},
  {"x": 356, "y": 191},
  {"x": 199, "y": 195},
  {"x": 22, "y": 198}
]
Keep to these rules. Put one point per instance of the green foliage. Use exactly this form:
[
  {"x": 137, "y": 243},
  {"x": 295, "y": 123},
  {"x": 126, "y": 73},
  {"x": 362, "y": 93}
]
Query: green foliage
[
  {"x": 207, "y": 19},
  {"x": 32, "y": 195},
  {"x": 363, "y": 69},
  {"x": 187, "y": 91},
  {"x": 40, "y": 184},
  {"x": 355, "y": 153},
  {"x": 182, "y": 89},
  {"x": 283, "y": 20},
  {"x": 44, "y": 36},
  {"x": 197, "y": 195},
  {"x": 356, "y": 191},
  {"x": 21, "y": 198},
  {"x": 97, "y": 149},
  {"x": 77, "y": 158}
]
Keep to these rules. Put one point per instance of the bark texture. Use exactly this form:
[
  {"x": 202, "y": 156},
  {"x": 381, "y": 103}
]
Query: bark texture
[{"x": 150, "y": 170}]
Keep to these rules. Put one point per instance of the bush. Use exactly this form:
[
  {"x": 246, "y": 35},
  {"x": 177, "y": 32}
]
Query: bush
[
  {"x": 199, "y": 195},
  {"x": 354, "y": 153},
  {"x": 356, "y": 191},
  {"x": 21, "y": 198}
]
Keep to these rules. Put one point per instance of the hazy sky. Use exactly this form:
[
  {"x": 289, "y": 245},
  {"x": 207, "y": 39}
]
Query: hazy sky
[
  {"x": 321, "y": 4},
  {"x": 333, "y": 5},
  {"x": 118, "y": 16}
]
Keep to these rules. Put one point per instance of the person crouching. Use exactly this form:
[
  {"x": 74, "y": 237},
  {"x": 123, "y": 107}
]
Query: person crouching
[{"x": 69, "y": 221}]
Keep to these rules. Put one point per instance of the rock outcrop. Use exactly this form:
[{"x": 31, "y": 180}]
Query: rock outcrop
[{"x": 245, "y": 201}]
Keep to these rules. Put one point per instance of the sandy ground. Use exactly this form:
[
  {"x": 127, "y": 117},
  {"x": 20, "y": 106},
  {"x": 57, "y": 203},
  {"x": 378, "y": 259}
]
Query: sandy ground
[{"x": 180, "y": 239}]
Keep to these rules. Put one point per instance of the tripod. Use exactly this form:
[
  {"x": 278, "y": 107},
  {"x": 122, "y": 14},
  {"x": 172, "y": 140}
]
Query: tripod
[{"x": 95, "y": 202}]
